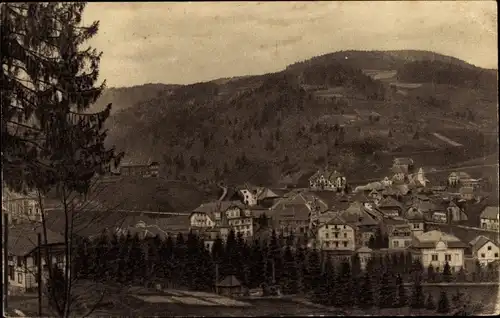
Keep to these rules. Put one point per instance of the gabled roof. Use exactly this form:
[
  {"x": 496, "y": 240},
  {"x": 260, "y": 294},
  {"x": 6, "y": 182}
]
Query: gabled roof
[
  {"x": 414, "y": 214},
  {"x": 336, "y": 220},
  {"x": 479, "y": 242},
  {"x": 23, "y": 238},
  {"x": 229, "y": 281},
  {"x": 490, "y": 213},
  {"x": 429, "y": 240},
  {"x": 398, "y": 169},
  {"x": 293, "y": 211},
  {"x": 389, "y": 202},
  {"x": 355, "y": 214}
]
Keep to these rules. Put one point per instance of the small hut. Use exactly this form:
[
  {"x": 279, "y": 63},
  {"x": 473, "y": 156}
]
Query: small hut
[{"x": 229, "y": 286}]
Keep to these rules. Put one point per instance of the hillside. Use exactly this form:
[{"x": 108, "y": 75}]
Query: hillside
[
  {"x": 126, "y": 97},
  {"x": 314, "y": 112}
]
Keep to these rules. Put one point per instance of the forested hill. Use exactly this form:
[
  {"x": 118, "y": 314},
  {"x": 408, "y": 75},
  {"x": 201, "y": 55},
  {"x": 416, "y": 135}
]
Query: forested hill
[{"x": 259, "y": 127}]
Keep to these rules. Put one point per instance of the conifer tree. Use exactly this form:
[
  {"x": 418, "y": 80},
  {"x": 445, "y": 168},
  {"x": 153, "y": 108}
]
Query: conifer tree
[
  {"x": 461, "y": 275},
  {"x": 166, "y": 259},
  {"x": 431, "y": 274},
  {"x": 447, "y": 275},
  {"x": 417, "y": 295},
  {"x": 345, "y": 280},
  {"x": 385, "y": 300},
  {"x": 443, "y": 303},
  {"x": 366, "y": 292},
  {"x": 402, "y": 298},
  {"x": 81, "y": 262},
  {"x": 429, "y": 303},
  {"x": 313, "y": 270},
  {"x": 137, "y": 260},
  {"x": 290, "y": 280},
  {"x": 300, "y": 260},
  {"x": 257, "y": 264}
]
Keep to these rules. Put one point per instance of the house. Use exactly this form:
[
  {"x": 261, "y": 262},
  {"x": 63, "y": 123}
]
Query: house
[
  {"x": 336, "y": 234},
  {"x": 229, "y": 286},
  {"x": 324, "y": 179},
  {"x": 20, "y": 207},
  {"x": 467, "y": 193},
  {"x": 210, "y": 235},
  {"x": 232, "y": 214},
  {"x": 416, "y": 220},
  {"x": 405, "y": 163},
  {"x": 23, "y": 250},
  {"x": 292, "y": 218},
  {"x": 490, "y": 218},
  {"x": 418, "y": 179},
  {"x": 484, "y": 250},
  {"x": 462, "y": 178},
  {"x": 436, "y": 248},
  {"x": 364, "y": 224},
  {"x": 399, "y": 232},
  {"x": 399, "y": 174},
  {"x": 390, "y": 207},
  {"x": 455, "y": 213},
  {"x": 150, "y": 169}
]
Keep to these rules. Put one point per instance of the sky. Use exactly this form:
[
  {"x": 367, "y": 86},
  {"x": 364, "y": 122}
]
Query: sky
[{"x": 188, "y": 42}]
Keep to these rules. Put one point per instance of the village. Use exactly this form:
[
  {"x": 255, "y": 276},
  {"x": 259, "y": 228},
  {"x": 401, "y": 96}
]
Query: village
[{"x": 446, "y": 227}]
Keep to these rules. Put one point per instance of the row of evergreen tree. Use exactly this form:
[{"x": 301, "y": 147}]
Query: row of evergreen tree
[{"x": 187, "y": 263}]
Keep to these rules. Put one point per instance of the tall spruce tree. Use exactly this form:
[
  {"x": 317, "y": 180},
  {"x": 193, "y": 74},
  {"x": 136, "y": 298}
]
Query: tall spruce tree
[
  {"x": 313, "y": 271},
  {"x": 402, "y": 298},
  {"x": 447, "y": 275},
  {"x": 345, "y": 280},
  {"x": 365, "y": 299},
  {"x": 443, "y": 303},
  {"x": 257, "y": 264},
  {"x": 49, "y": 139},
  {"x": 290, "y": 279},
  {"x": 431, "y": 273},
  {"x": 384, "y": 300},
  {"x": 417, "y": 295}
]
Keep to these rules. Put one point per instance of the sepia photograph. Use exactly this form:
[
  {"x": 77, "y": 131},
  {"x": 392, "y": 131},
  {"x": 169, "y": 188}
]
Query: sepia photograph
[{"x": 250, "y": 159}]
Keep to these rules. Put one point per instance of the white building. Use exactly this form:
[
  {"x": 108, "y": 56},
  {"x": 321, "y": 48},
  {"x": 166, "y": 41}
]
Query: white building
[
  {"x": 232, "y": 214},
  {"x": 436, "y": 248},
  {"x": 20, "y": 207},
  {"x": 336, "y": 235},
  {"x": 484, "y": 250},
  {"x": 490, "y": 218}
]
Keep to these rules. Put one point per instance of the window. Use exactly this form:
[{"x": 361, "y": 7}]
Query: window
[
  {"x": 345, "y": 227},
  {"x": 11, "y": 272},
  {"x": 496, "y": 255},
  {"x": 447, "y": 257},
  {"x": 395, "y": 243},
  {"x": 434, "y": 257},
  {"x": 489, "y": 248},
  {"x": 20, "y": 261},
  {"x": 326, "y": 235},
  {"x": 336, "y": 244},
  {"x": 336, "y": 235},
  {"x": 326, "y": 226},
  {"x": 482, "y": 255},
  {"x": 345, "y": 234},
  {"x": 345, "y": 244},
  {"x": 19, "y": 278},
  {"x": 407, "y": 243}
]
